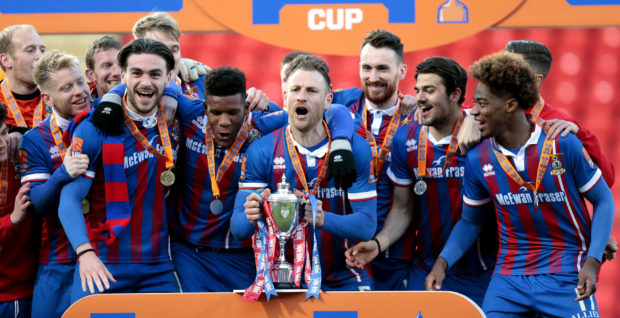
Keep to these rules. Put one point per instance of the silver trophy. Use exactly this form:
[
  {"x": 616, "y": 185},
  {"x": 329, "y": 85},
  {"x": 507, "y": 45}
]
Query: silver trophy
[{"x": 285, "y": 208}]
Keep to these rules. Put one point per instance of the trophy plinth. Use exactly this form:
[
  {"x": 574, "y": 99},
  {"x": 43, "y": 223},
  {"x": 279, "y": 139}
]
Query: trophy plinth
[{"x": 285, "y": 210}]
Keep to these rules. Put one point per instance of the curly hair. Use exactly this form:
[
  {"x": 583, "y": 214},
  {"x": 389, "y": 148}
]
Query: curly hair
[{"x": 507, "y": 75}]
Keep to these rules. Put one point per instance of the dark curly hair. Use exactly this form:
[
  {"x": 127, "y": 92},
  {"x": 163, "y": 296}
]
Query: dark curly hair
[
  {"x": 507, "y": 75},
  {"x": 225, "y": 81}
]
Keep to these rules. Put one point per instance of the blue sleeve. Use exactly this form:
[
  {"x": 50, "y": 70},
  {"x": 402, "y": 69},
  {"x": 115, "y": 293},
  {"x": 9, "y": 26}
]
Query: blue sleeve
[
  {"x": 70, "y": 210},
  {"x": 362, "y": 223},
  {"x": 339, "y": 122},
  {"x": 188, "y": 109},
  {"x": 266, "y": 122},
  {"x": 273, "y": 107},
  {"x": 602, "y": 218},
  {"x": 464, "y": 234},
  {"x": 89, "y": 140},
  {"x": 44, "y": 188},
  {"x": 240, "y": 227},
  {"x": 582, "y": 168},
  {"x": 44, "y": 195},
  {"x": 359, "y": 225},
  {"x": 475, "y": 192}
]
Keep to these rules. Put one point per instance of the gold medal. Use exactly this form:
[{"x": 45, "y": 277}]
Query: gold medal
[
  {"x": 167, "y": 178},
  {"x": 85, "y": 206}
]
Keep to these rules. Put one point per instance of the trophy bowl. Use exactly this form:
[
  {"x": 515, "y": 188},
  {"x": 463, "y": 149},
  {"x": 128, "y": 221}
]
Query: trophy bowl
[{"x": 285, "y": 209}]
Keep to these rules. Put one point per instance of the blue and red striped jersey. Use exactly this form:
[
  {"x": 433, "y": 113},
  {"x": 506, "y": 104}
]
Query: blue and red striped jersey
[
  {"x": 145, "y": 239},
  {"x": 40, "y": 158},
  {"x": 553, "y": 238},
  {"x": 439, "y": 208},
  {"x": 378, "y": 124},
  {"x": 195, "y": 222},
  {"x": 267, "y": 160}
]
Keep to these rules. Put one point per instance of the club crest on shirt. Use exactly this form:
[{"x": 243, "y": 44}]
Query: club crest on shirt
[{"x": 556, "y": 165}]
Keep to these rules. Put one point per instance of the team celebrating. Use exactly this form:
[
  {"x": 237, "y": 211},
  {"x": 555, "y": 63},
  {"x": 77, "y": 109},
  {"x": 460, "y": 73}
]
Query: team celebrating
[{"x": 151, "y": 176}]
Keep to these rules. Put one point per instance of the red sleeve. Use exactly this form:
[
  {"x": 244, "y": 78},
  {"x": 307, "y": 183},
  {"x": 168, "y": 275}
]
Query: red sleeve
[
  {"x": 589, "y": 141},
  {"x": 7, "y": 229}
]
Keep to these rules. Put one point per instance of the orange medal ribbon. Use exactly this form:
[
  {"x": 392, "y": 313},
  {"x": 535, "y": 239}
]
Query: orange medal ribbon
[
  {"x": 57, "y": 134},
  {"x": 14, "y": 109},
  {"x": 163, "y": 134},
  {"x": 228, "y": 159},
  {"x": 534, "y": 115},
  {"x": 299, "y": 171},
  {"x": 380, "y": 156},
  {"x": 450, "y": 152},
  {"x": 512, "y": 172}
]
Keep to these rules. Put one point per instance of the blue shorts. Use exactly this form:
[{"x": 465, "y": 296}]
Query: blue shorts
[
  {"x": 133, "y": 278},
  {"x": 19, "y": 308},
  {"x": 52, "y": 290},
  {"x": 550, "y": 295},
  {"x": 390, "y": 273},
  {"x": 472, "y": 286},
  {"x": 360, "y": 281},
  {"x": 213, "y": 271}
]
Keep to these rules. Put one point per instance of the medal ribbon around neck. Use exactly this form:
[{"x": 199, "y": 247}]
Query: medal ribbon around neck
[
  {"x": 450, "y": 152},
  {"x": 512, "y": 172},
  {"x": 534, "y": 116},
  {"x": 299, "y": 171},
  {"x": 228, "y": 159},
  {"x": 379, "y": 157},
  {"x": 14, "y": 109},
  {"x": 57, "y": 134},
  {"x": 163, "y": 134}
]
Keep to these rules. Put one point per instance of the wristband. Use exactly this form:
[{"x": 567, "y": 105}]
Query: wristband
[
  {"x": 378, "y": 244},
  {"x": 85, "y": 251}
]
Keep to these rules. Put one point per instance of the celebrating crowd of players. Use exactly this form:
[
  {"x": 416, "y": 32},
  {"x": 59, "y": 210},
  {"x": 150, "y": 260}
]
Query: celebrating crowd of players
[{"x": 156, "y": 185}]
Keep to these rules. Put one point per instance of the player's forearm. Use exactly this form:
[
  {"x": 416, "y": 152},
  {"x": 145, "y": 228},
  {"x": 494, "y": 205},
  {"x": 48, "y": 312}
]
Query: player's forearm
[
  {"x": 44, "y": 195},
  {"x": 70, "y": 210},
  {"x": 240, "y": 227},
  {"x": 395, "y": 225},
  {"x": 463, "y": 235},
  {"x": 359, "y": 225},
  {"x": 602, "y": 218}
]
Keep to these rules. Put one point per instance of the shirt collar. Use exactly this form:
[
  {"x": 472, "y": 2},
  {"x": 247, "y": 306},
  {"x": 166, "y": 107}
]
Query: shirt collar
[
  {"x": 385, "y": 112},
  {"x": 533, "y": 140},
  {"x": 443, "y": 141},
  {"x": 317, "y": 153}
]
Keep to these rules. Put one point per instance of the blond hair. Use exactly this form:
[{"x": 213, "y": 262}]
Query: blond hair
[
  {"x": 157, "y": 21},
  {"x": 50, "y": 63}
]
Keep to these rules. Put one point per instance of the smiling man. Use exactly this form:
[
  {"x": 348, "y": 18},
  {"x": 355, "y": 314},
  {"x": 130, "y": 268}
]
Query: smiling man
[
  {"x": 341, "y": 216},
  {"x": 549, "y": 247},
  {"x": 123, "y": 237},
  {"x": 47, "y": 167},
  {"x": 103, "y": 70},
  {"x": 427, "y": 171}
]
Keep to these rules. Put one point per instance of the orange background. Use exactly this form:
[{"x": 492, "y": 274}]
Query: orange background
[{"x": 366, "y": 304}]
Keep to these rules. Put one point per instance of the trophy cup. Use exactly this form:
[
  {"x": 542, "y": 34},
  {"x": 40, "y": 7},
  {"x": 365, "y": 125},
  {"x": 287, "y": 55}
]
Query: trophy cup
[{"x": 285, "y": 209}]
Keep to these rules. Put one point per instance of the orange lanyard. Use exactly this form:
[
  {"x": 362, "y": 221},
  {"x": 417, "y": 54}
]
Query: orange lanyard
[
  {"x": 57, "y": 134},
  {"x": 17, "y": 114},
  {"x": 379, "y": 157},
  {"x": 512, "y": 172},
  {"x": 301, "y": 175},
  {"x": 163, "y": 134},
  {"x": 450, "y": 152},
  {"x": 535, "y": 112},
  {"x": 228, "y": 159}
]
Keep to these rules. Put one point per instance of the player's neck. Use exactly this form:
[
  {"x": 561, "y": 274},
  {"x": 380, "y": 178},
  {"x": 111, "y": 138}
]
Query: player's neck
[
  {"x": 516, "y": 132},
  {"x": 135, "y": 114},
  {"x": 446, "y": 127},
  {"x": 311, "y": 137},
  {"x": 385, "y": 105},
  {"x": 19, "y": 87}
]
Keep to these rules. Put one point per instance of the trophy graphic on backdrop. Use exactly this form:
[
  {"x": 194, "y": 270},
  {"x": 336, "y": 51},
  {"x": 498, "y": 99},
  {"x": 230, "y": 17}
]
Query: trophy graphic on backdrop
[{"x": 285, "y": 210}]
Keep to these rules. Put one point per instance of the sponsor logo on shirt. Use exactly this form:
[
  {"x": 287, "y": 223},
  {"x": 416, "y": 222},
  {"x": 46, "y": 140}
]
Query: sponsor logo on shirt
[
  {"x": 510, "y": 198},
  {"x": 487, "y": 170},
  {"x": 411, "y": 144},
  {"x": 278, "y": 163}
]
